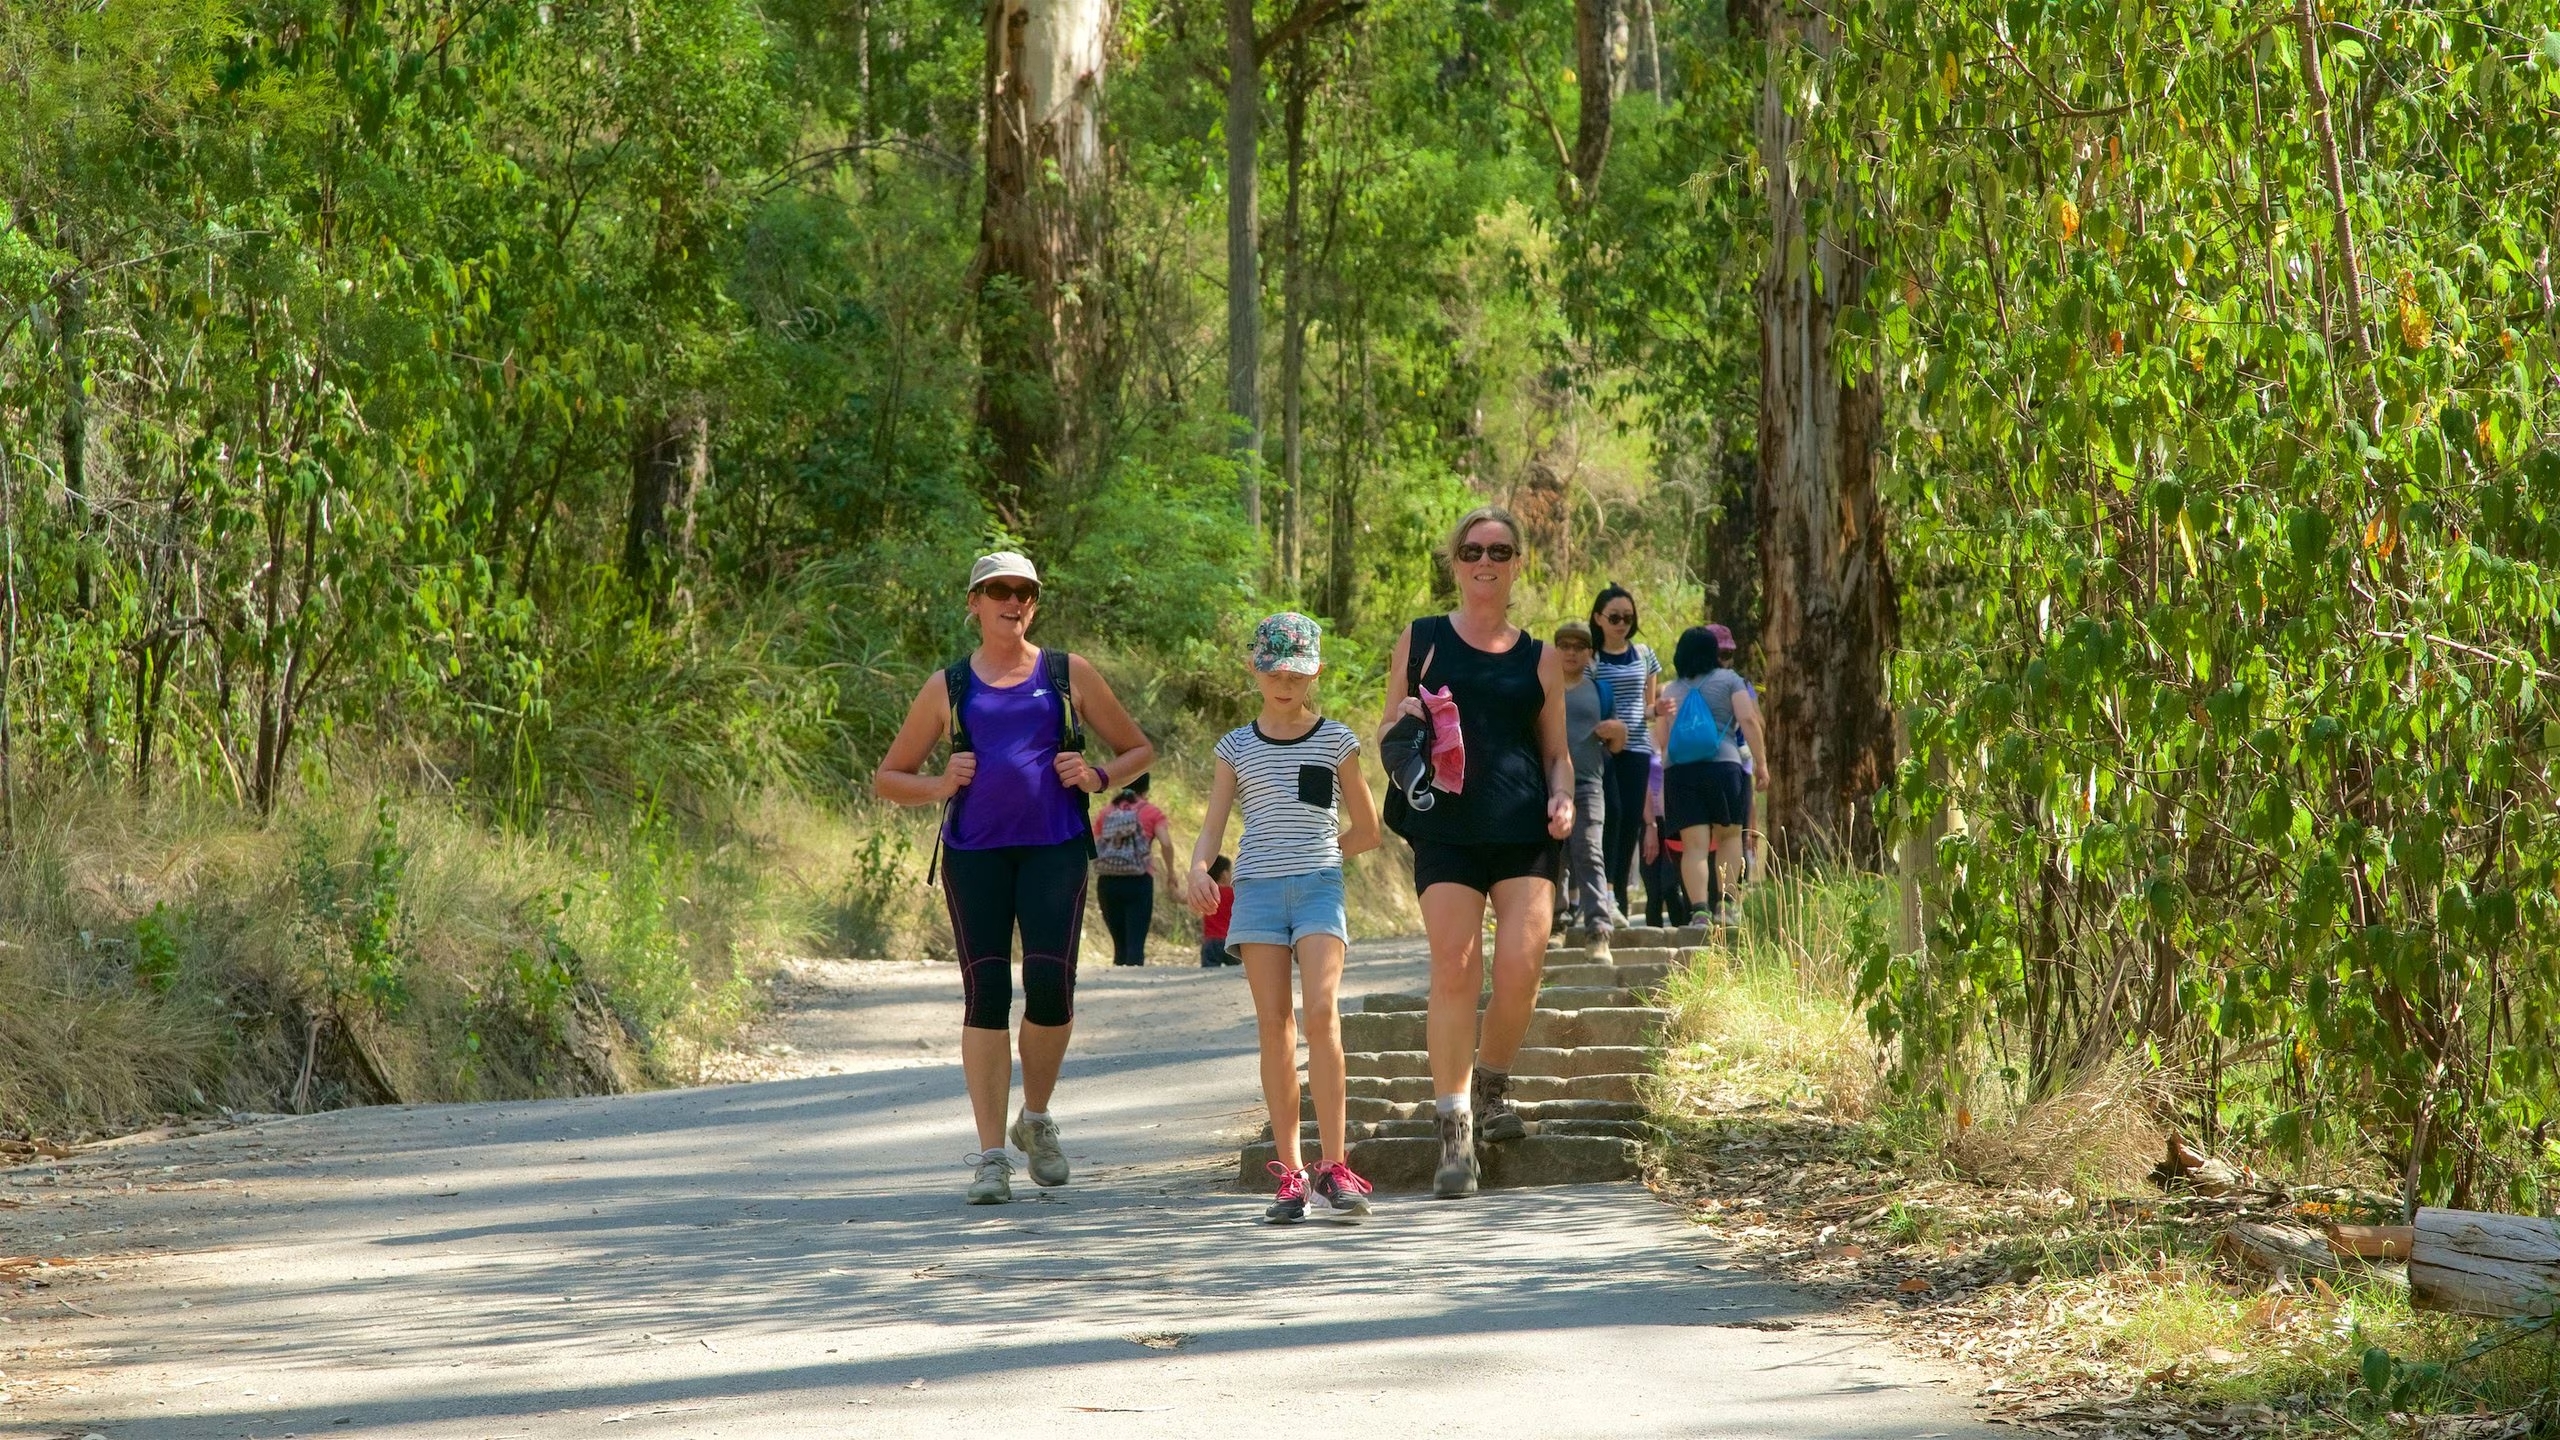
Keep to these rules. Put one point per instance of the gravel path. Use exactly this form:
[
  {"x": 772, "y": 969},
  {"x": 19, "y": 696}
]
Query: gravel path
[{"x": 790, "y": 1258}]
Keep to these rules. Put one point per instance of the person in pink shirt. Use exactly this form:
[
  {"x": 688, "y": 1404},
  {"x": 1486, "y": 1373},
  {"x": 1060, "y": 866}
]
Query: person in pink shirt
[{"x": 1127, "y": 835}]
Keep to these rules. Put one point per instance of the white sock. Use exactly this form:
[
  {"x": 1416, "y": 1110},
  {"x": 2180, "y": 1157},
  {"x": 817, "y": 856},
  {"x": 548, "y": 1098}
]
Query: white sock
[
  {"x": 1035, "y": 1116},
  {"x": 1452, "y": 1104}
]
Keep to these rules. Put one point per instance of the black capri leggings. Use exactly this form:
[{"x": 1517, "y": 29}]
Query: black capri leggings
[
  {"x": 1039, "y": 888},
  {"x": 1630, "y": 776},
  {"x": 1128, "y": 909}
]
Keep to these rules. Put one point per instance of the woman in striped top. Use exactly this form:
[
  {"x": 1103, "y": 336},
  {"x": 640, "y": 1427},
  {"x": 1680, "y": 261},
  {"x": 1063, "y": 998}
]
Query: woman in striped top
[
  {"x": 1634, "y": 678},
  {"x": 1294, "y": 772}
]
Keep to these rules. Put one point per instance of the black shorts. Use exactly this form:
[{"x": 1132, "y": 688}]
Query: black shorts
[
  {"x": 1705, "y": 792},
  {"x": 1481, "y": 867}
]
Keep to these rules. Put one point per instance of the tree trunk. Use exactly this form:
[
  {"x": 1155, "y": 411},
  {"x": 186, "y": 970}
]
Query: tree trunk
[
  {"x": 670, "y": 459},
  {"x": 1644, "y": 52},
  {"x": 1244, "y": 270},
  {"x": 1036, "y": 233},
  {"x": 1293, "y": 331},
  {"x": 1595, "y": 24},
  {"x": 1826, "y": 577}
]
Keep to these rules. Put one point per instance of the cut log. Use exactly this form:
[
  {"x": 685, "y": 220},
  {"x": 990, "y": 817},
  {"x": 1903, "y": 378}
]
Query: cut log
[
  {"x": 2278, "y": 1249},
  {"x": 2373, "y": 1242},
  {"x": 2468, "y": 1262}
]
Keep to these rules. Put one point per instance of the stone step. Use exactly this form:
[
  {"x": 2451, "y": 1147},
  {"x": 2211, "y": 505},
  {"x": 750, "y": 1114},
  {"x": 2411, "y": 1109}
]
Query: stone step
[
  {"x": 1365, "y": 1110},
  {"x": 1641, "y": 936},
  {"x": 1621, "y": 975},
  {"x": 1533, "y": 1062},
  {"x": 1625, "y": 1088},
  {"x": 1548, "y": 1029},
  {"x": 1550, "y": 997},
  {"x": 1401, "y": 1164},
  {"x": 1428, "y": 1127}
]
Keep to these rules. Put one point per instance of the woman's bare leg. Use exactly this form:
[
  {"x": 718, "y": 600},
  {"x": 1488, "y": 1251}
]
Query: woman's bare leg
[
  {"x": 1453, "y": 917},
  {"x": 986, "y": 1062},
  {"x": 1523, "y": 910}
]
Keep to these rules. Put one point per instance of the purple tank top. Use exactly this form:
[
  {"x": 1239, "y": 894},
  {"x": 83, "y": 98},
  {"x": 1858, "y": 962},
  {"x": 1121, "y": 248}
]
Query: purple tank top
[{"x": 1015, "y": 798}]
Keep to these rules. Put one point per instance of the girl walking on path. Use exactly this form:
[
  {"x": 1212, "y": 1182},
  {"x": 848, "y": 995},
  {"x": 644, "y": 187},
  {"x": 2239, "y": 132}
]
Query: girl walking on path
[
  {"x": 1492, "y": 839},
  {"x": 1295, "y": 773},
  {"x": 1634, "y": 678},
  {"x": 1706, "y": 793},
  {"x": 1014, "y": 848},
  {"x": 1127, "y": 836}
]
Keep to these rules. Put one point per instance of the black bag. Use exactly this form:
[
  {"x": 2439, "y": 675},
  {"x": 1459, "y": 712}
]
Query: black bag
[
  {"x": 1405, "y": 750},
  {"x": 956, "y": 680}
]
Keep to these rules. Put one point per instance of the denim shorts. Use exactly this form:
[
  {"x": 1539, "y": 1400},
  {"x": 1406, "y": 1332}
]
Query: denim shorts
[{"x": 1284, "y": 910}]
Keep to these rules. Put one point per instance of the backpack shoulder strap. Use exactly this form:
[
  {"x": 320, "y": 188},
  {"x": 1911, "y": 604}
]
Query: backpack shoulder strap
[
  {"x": 1423, "y": 640},
  {"x": 1062, "y": 680},
  {"x": 955, "y": 686}
]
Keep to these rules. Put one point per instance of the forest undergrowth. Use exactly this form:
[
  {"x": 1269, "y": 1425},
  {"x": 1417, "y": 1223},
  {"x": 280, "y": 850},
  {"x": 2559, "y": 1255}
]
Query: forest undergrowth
[{"x": 2028, "y": 1237}]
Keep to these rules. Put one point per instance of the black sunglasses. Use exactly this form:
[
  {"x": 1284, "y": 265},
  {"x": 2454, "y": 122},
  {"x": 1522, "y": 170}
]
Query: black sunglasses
[
  {"x": 1497, "y": 552},
  {"x": 1002, "y": 591},
  {"x": 1619, "y": 617}
]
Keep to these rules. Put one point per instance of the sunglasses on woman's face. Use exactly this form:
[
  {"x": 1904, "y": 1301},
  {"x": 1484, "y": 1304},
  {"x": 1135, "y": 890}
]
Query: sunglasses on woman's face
[
  {"x": 1497, "y": 552},
  {"x": 1618, "y": 617},
  {"x": 1003, "y": 592}
]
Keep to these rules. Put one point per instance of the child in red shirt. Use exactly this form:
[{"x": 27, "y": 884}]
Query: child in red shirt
[{"x": 1213, "y": 926}]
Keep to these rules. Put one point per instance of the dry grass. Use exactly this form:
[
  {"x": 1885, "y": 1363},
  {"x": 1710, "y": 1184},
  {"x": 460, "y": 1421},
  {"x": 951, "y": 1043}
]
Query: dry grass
[
  {"x": 2096, "y": 1136},
  {"x": 179, "y": 955}
]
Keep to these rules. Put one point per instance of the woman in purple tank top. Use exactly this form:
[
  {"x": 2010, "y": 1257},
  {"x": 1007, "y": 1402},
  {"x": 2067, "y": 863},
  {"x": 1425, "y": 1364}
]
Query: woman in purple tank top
[{"x": 1014, "y": 848}]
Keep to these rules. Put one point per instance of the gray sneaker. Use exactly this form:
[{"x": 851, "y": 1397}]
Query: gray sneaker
[
  {"x": 1458, "y": 1172},
  {"x": 1496, "y": 1118},
  {"x": 1039, "y": 1140},
  {"x": 994, "y": 1185}
]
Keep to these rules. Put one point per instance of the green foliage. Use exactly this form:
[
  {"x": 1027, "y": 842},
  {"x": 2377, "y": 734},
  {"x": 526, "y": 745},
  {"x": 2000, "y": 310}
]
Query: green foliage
[
  {"x": 2230, "y": 612},
  {"x": 353, "y": 914}
]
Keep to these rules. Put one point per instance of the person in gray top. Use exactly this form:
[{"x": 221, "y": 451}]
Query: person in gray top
[
  {"x": 1706, "y": 793},
  {"x": 1592, "y": 732}
]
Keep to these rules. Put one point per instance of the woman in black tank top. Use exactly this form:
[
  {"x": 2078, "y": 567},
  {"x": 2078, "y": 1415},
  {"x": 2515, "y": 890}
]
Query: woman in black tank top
[{"x": 1497, "y": 839}]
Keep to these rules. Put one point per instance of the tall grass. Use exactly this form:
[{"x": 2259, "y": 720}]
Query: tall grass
[{"x": 1769, "y": 1014}]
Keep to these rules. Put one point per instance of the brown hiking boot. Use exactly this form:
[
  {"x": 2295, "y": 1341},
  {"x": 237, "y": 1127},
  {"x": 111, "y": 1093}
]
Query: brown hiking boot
[
  {"x": 1497, "y": 1119},
  {"x": 1458, "y": 1171}
]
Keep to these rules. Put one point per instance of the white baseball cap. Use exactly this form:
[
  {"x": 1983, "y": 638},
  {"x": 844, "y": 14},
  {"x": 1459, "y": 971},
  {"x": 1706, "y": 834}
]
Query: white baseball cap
[{"x": 1003, "y": 563}]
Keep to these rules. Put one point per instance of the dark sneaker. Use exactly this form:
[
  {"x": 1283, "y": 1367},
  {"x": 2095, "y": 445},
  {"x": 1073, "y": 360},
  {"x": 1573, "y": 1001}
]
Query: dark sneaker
[
  {"x": 994, "y": 1183},
  {"x": 1038, "y": 1141},
  {"x": 1497, "y": 1119},
  {"x": 1458, "y": 1170},
  {"x": 1290, "y": 1205},
  {"x": 1335, "y": 1187}
]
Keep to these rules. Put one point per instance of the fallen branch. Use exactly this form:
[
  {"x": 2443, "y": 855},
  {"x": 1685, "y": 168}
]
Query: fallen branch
[{"x": 2469, "y": 1262}]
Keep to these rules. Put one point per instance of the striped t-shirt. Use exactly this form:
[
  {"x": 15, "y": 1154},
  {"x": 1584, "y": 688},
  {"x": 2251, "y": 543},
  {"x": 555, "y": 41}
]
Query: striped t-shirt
[
  {"x": 1289, "y": 791},
  {"x": 1626, "y": 673}
]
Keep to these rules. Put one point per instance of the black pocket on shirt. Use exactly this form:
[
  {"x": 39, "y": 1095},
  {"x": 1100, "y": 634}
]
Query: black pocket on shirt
[{"x": 1315, "y": 786}]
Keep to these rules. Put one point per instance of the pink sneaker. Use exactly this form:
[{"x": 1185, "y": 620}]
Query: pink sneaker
[
  {"x": 1333, "y": 1185},
  {"x": 1291, "y": 1203}
]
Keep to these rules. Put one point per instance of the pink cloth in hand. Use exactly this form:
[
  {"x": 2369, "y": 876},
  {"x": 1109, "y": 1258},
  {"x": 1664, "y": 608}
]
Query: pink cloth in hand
[{"x": 1448, "y": 745}]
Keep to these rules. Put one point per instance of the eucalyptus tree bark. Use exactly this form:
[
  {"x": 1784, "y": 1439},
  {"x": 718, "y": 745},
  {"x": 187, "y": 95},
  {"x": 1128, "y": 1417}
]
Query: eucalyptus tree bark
[
  {"x": 1595, "y": 26},
  {"x": 1244, "y": 271},
  {"x": 1826, "y": 576},
  {"x": 1293, "y": 322},
  {"x": 1038, "y": 234}
]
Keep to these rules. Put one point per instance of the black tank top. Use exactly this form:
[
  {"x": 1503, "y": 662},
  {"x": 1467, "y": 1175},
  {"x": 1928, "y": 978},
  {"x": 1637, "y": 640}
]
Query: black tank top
[{"x": 1499, "y": 700}]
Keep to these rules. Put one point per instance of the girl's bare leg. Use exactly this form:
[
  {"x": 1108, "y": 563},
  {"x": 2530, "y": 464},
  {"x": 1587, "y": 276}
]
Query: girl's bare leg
[
  {"x": 1320, "y": 982},
  {"x": 1266, "y": 973}
]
